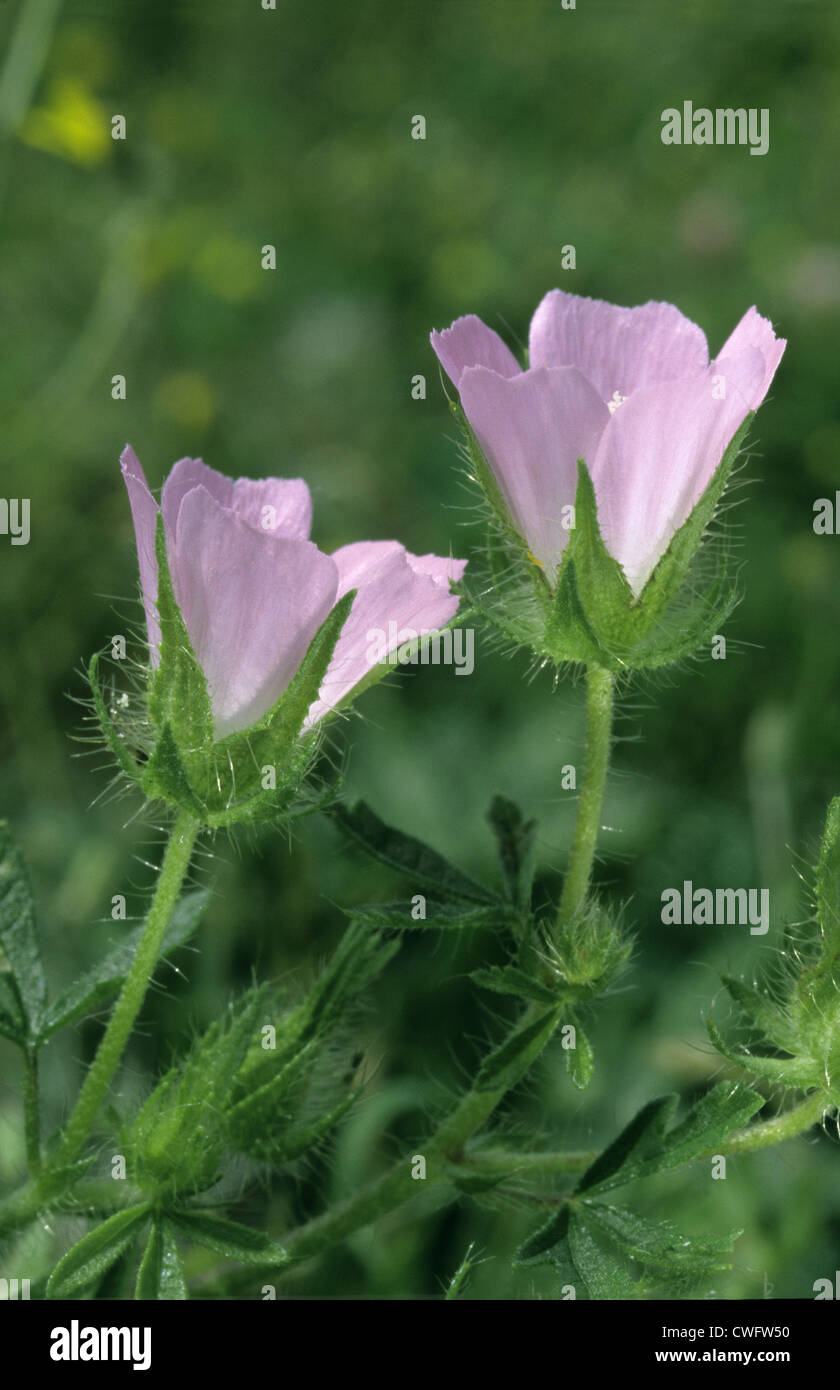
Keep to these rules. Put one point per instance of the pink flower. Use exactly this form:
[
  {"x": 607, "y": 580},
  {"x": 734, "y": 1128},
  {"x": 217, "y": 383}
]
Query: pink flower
[
  {"x": 630, "y": 391},
  {"x": 253, "y": 589}
]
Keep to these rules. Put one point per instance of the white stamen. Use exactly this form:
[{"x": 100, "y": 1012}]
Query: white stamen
[{"x": 617, "y": 400}]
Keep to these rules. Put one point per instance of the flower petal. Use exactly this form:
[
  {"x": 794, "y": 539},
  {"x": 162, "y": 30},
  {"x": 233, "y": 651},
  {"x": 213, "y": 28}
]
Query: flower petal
[
  {"x": 251, "y": 602},
  {"x": 280, "y": 506},
  {"x": 617, "y": 349},
  {"x": 658, "y": 454},
  {"x": 470, "y": 343},
  {"x": 144, "y": 513},
  {"x": 533, "y": 429},
  {"x": 396, "y": 591},
  {"x": 183, "y": 476},
  {"x": 756, "y": 332}
]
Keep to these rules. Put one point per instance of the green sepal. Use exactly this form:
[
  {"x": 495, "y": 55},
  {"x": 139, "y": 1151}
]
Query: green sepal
[
  {"x": 90, "y": 1257},
  {"x": 178, "y": 695},
  {"x": 110, "y": 733},
  {"x": 160, "y": 1275},
  {"x": 166, "y": 777},
  {"x": 796, "y": 1072}
]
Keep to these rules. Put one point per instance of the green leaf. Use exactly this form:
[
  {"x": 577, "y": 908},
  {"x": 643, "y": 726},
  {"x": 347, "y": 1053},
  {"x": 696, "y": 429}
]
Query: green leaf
[
  {"x": 178, "y": 696},
  {"x": 96, "y": 1252},
  {"x": 439, "y": 916},
  {"x": 508, "y": 1063},
  {"x": 516, "y": 841},
  {"x": 12, "y": 1021},
  {"x": 602, "y": 1277},
  {"x": 408, "y": 855},
  {"x": 228, "y": 1238},
  {"x": 647, "y": 1146},
  {"x": 160, "y": 1275},
  {"x": 660, "y": 1247},
  {"x": 509, "y": 979},
  {"x": 18, "y": 938},
  {"x": 628, "y": 1154},
  {"x": 100, "y": 984},
  {"x": 580, "y": 1060},
  {"x": 536, "y": 1250}
]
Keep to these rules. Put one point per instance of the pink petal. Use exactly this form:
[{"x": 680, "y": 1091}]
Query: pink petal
[
  {"x": 144, "y": 512},
  {"x": 393, "y": 595},
  {"x": 470, "y": 343},
  {"x": 185, "y": 475},
  {"x": 533, "y": 429},
  {"x": 658, "y": 455},
  {"x": 441, "y": 569},
  {"x": 280, "y": 506},
  {"x": 616, "y": 349},
  {"x": 756, "y": 332},
  {"x": 251, "y": 603}
]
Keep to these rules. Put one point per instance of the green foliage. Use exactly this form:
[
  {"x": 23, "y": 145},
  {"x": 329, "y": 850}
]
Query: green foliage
[
  {"x": 602, "y": 1251},
  {"x": 161, "y": 1275},
  {"x": 91, "y": 1257},
  {"x": 26, "y": 992},
  {"x": 410, "y": 856}
]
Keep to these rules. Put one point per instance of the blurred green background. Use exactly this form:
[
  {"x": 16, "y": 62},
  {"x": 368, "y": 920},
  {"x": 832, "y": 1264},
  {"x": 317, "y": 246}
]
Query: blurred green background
[{"x": 293, "y": 127}]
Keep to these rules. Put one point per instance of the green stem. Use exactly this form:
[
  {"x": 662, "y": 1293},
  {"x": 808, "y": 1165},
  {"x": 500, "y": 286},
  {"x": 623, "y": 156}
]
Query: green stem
[
  {"x": 173, "y": 870},
  {"x": 31, "y": 1111},
  {"x": 786, "y": 1126},
  {"x": 789, "y": 1125},
  {"x": 599, "y": 712}
]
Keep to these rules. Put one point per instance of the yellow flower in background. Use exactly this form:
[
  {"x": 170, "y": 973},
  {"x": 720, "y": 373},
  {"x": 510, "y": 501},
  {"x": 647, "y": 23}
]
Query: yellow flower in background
[{"x": 72, "y": 124}]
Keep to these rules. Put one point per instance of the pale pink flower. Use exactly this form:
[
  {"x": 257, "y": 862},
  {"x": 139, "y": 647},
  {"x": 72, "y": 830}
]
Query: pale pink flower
[
  {"x": 253, "y": 589},
  {"x": 630, "y": 391}
]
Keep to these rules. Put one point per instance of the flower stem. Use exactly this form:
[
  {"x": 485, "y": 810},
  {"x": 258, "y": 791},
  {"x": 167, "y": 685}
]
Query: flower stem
[
  {"x": 599, "y": 712},
  {"x": 173, "y": 870},
  {"x": 31, "y": 1111}
]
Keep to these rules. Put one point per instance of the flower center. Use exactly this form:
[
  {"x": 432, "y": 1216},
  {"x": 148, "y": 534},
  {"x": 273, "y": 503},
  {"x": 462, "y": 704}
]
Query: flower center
[{"x": 617, "y": 400}]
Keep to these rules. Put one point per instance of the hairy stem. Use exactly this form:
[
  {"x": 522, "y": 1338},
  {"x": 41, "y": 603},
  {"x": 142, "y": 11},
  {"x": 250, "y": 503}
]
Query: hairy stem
[
  {"x": 173, "y": 870},
  {"x": 599, "y": 713}
]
